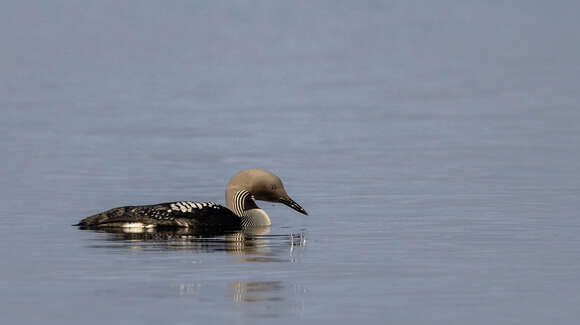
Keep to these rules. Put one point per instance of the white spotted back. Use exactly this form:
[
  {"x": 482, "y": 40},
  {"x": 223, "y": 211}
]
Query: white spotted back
[{"x": 189, "y": 206}]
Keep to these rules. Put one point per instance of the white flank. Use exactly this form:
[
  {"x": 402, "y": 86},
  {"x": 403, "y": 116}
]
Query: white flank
[{"x": 137, "y": 225}]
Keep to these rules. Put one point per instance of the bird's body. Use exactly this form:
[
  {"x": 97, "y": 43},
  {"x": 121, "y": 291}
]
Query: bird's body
[
  {"x": 241, "y": 210},
  {"x": 171, "y": 214}
]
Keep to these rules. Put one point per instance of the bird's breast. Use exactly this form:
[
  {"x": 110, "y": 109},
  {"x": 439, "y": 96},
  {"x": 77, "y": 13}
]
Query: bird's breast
[{"x": 255, "y": 218}]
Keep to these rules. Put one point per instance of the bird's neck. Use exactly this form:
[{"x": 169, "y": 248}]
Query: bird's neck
[{"x": 240, "y": 202}]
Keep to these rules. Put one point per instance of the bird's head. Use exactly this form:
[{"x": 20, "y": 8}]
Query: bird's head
[{"x": 262, "y": 185}]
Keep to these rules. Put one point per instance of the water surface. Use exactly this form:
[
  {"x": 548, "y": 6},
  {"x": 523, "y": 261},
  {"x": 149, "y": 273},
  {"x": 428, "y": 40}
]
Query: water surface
[{"x": 434, "y": 145}]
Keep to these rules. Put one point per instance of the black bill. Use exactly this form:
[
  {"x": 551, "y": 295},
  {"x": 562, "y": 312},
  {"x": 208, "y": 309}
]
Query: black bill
[{"x": 289, "y": 202}]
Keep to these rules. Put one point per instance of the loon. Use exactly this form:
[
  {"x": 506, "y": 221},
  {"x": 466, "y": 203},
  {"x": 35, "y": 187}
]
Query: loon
[{"x": 240, "y": 211}]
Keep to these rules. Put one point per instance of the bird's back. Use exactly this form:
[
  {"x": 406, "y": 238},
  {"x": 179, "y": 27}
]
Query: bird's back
[{"x": 170, "y": 214}]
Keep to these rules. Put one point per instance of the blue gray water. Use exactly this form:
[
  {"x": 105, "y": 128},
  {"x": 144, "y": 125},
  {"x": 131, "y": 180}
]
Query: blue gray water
[{"x": 435, "y": 144}]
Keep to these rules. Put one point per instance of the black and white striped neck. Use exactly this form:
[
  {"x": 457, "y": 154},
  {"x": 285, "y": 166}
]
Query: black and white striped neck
[
  {"x": 241, "y": 202},
  {"x": 244, "y": 206}
]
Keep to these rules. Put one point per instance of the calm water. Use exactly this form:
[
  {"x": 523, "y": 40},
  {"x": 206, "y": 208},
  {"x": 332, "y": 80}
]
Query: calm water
[{"x": 436, "y": 146}]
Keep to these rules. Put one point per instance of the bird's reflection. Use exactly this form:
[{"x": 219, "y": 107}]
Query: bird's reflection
[
  {"x": 252, "y": 299},
  {"x": 247, "y": 245},
  {"x": 245, "y": 292}
]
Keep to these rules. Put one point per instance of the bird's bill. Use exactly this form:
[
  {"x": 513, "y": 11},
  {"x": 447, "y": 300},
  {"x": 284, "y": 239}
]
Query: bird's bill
[{"x": 289, "y": 202}]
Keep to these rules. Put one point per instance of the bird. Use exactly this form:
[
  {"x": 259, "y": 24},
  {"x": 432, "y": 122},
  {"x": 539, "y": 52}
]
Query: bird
[{"x": 241, "y": 210}]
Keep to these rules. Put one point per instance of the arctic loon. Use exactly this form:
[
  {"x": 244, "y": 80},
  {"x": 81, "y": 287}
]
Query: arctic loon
[{"x": 240, "y": 211}]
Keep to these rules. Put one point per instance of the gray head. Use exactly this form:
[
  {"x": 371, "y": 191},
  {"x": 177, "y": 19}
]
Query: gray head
[{"x": 262, "y": 185}]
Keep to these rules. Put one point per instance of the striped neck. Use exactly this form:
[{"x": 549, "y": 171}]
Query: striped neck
[
  {"x": 244, "y": 206},
  {"x": 241, "y": 201}
]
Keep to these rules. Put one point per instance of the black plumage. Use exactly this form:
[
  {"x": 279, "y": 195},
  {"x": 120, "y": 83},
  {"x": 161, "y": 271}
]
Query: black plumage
[{"x": 170, "y": 214}]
